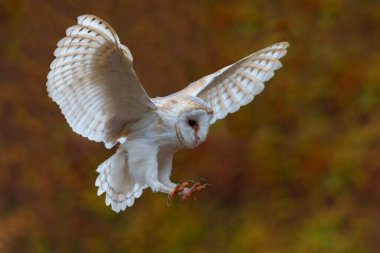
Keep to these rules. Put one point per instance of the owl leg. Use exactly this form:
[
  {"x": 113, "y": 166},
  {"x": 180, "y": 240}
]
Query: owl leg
[
  {"x": 156, "y": 186},
  {"x": 169, "y": 184},
  {"x": 165, "y": 169},
  {"x": 142, "y": 156}
]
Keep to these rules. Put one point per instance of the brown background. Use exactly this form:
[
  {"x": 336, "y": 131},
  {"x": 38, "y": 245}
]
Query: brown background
[{"x": 298, "y": 170}]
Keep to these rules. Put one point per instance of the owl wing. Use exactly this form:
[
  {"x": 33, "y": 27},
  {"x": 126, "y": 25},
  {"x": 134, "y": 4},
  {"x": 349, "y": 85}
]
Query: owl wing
[
  {"x": 93, "y": 82},
  {"x": 236, "y": 85}
]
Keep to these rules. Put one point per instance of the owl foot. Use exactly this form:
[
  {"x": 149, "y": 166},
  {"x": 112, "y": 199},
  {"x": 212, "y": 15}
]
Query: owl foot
[
  {"x": 189, "y": 192},
  {"x": 186, "y": 191},
  {"x": 177, "y": 190}
]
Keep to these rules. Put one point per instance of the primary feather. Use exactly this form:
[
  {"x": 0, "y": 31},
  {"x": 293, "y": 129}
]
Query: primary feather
[
  {"x": 236, "y": 85},
  {"x": 93, "y": 82}
]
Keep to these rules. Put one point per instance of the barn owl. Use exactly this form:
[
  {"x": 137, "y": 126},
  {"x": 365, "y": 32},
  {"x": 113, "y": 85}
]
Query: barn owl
[{"x": 93, "y": 82}]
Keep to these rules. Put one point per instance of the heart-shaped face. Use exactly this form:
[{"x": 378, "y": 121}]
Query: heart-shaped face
[{"x": 192, "y": 127}]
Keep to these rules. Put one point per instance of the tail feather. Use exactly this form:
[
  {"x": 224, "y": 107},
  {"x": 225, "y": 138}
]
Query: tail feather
[{"x": 114, "y": 179}]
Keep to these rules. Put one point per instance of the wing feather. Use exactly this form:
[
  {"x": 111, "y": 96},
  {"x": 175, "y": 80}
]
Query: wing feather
[
  {"x": 236, "y": 85},
  {"x": 93, "y": 81}
]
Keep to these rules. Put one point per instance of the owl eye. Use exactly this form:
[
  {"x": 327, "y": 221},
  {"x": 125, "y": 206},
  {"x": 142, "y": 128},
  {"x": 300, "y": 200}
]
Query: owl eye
[{"x": 192, "y": 123}]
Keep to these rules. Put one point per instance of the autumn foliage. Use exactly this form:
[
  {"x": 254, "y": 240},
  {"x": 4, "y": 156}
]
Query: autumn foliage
[{"x": 297, "y": 170}]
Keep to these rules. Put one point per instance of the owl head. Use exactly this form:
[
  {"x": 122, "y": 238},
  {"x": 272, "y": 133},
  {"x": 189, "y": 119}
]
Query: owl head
[{"x": 193, "y": 123}]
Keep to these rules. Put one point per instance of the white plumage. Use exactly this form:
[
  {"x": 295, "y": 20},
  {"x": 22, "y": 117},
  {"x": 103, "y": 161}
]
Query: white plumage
[
  {"x": 236, "y": 85},
  {"x": 114, "y": 180},
  {"x": 93, "y": 82}
]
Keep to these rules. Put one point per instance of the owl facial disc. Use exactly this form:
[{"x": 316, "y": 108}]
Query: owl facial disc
[{"x": 192, "y": 127}]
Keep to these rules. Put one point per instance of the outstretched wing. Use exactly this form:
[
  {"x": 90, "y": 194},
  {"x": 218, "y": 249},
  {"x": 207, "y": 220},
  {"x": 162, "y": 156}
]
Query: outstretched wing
[
  {"x": 236, "y": 85},
  {"x": 93, "y": 82}
]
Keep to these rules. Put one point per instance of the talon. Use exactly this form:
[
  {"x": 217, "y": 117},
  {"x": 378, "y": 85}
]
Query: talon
[
  {"x": 177, "y": 190},
  {"x": 197, "y": 186},
  {"x": 186, "y": 191}
]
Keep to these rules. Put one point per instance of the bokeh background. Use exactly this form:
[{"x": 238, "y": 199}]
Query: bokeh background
[{"x": 297, "y": 170}]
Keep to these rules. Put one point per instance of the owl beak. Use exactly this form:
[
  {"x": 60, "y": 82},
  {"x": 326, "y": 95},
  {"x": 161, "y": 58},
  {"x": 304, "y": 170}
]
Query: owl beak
[
  {"x": 197, "y": 140},
  {"x": 196, "y": 127}
]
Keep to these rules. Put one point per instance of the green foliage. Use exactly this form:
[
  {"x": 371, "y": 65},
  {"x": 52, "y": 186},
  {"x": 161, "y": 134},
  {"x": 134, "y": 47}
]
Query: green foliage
[{"x": 298, "y": 170}]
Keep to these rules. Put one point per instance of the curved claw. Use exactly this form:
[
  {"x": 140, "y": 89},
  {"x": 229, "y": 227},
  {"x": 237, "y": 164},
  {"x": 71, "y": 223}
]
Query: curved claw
[{"x": 168, "y": 199}]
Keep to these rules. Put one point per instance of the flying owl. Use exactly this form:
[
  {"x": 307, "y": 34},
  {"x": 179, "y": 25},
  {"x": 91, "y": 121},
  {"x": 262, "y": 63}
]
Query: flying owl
[{"x": 93, "y": 82}]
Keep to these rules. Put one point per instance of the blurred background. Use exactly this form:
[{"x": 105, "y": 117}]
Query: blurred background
[{"x": 297, "y": 170}]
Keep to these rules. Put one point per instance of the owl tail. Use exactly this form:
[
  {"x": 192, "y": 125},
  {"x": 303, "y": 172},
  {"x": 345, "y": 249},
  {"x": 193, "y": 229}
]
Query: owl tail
[{"x": 114, "y": 179}]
